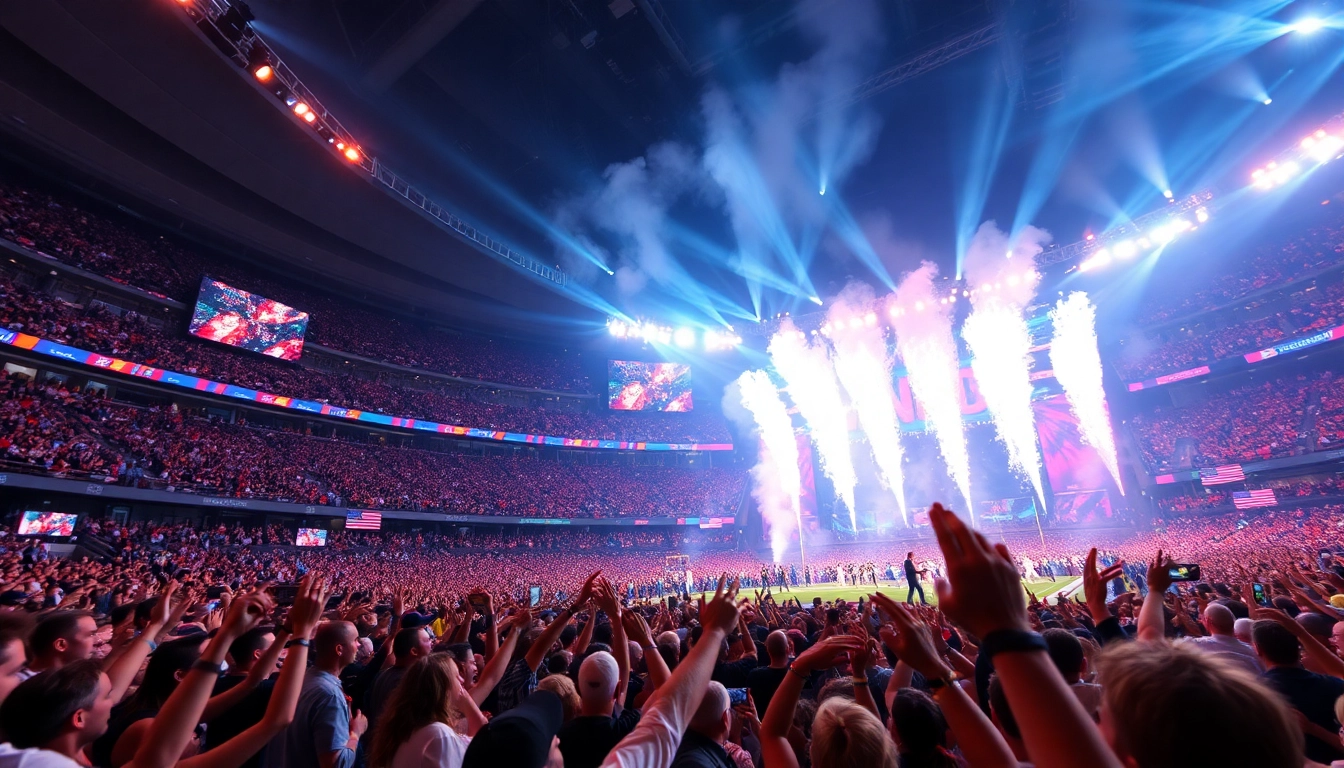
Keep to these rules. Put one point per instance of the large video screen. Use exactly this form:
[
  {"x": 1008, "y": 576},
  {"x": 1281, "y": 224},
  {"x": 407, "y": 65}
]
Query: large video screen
[
  {"x": 636, "y": 386},
  {"x": 235, "y": 317},
  {"x": 311, "y": 537},
  {"x": 35, "y": 523}
]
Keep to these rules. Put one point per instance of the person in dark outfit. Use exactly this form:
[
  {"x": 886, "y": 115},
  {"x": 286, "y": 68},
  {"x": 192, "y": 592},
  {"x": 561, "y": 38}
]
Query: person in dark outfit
[
  {"x": 912, "y": 579},
  {"x": 702, "y": 744}
]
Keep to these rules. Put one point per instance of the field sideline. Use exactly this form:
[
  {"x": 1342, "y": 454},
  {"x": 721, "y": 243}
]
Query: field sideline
[{"x": 897, "y": 590}]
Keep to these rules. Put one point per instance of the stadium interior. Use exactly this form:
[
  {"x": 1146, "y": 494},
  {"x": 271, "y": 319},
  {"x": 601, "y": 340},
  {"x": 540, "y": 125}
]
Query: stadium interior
[{"x": 542, "y": 356}]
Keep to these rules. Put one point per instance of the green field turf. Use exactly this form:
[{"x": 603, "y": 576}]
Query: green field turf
[{"x": 897, "y": 590}]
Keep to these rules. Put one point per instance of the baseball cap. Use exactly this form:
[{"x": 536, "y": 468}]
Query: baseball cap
[{"x": 519, "y": 738}]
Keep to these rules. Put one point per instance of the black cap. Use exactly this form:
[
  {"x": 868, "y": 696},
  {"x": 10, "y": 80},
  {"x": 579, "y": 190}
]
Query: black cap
[{"x": 519, "y": 738}]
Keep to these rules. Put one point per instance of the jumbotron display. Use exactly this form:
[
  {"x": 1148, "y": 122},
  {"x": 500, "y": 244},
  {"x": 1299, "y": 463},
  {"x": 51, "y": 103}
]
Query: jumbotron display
[
  {"x": 37, "y": 523},
  {"x": 235, "y": 317},
  {"x": 637, "y": 386}
]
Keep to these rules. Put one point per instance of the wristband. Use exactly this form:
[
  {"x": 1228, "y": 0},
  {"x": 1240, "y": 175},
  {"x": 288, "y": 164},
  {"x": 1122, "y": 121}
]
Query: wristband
[
  {"x": 1011, "y": 641},
  {"x": 942, "y": 682},
  {"x": 795, "y": 671},
  {"x": 202, "y": 665},
  {"x": 153, "y": 646},
  {"x": 859, "y": 680},
  {"x": 649, "y": 647},
  {"x": 297, "y": 641}
]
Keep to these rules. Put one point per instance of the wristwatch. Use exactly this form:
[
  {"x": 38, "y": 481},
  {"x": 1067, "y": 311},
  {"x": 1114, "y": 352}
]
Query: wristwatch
[
  {"x": 1011, "y": 641},
  {"x": 941, "y": 682}
]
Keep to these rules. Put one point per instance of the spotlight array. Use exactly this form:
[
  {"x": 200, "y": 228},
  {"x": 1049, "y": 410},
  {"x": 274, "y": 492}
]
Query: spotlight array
[
  {"x": 683, "y": 337},
  {"x": 1317, "y": 148}
]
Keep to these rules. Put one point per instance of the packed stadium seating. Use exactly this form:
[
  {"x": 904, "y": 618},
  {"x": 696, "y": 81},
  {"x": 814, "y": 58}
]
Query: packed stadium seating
[
  {"x": 64, "y": 229},
  {"x": 51, "y": 429},
  {"x": 132, "y": 337},
  {"x": 1255, "y": 421},
  {"x": 1314, "y": 301}
]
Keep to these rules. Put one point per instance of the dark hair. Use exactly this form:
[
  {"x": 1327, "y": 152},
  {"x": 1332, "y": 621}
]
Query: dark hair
[
  {"x": 59, "y": 625},
  {"x": 13, "y": 626},
  {"x": 160, "y": 678},
  {"x": 919, "y": 722},
  {"x": 461, "y": 652},
  {"x": 556, "y": 664},
  {"x": 37, "y": 710},
  {"x": 405, "y": 640},
  {"x": 1066, "y": 651},
  {"x": 1275, "y": 643},
  {"x": 998, "y": 704},
  {"x": 248, "y": 643}
]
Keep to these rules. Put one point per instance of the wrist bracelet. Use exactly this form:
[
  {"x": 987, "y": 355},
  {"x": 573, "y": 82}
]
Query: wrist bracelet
[
  {"x": 153, "y": 646},
  {"x": 795, "y": 671},
  {"x": 859, "y": 680},
  {"x": 297, "y": 641},
  {"x": 1011, "y": 641},
  {"x": 649, "y": 647},
  {"x": 202, "y": 665}
]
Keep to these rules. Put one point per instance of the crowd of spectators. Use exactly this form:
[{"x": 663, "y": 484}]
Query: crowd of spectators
[
  {"x": 60, "y": 227},
  {"x": 1257, "y": 421},
  {"x": 1298, "y": 310},
  {"x": 133, "y": 338},
  {"x": 413, "y": 652},
  {"x": 56, "y": 430}
]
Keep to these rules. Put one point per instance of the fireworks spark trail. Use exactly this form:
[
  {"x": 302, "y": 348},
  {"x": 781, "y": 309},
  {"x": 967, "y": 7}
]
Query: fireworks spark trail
[
  {"x": 1005, "y": 280},
  {"x": 1077, "y": 364},
  {"x": 776, "y": 482},
  {"x": 864, "y": 369},
  {"x": 925, "y": 344},
  {"x": 807, "y": 370}
]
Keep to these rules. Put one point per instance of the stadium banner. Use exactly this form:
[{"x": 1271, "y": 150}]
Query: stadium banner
[
  {"x": 1135, "y": 386},
  {"x": 185, "y": 381},
  {"x": 1299, "y": 343},
  {"x": 1177, "y": 477},
  {"x": 1231, "y": 363}
]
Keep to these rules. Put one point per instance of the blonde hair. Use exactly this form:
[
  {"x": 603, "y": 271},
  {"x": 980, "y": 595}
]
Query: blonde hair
[
  {"x": 563, "y": 687},
  {"x": 1157, "y": 694},
  {"x": 845, "y": 734}
]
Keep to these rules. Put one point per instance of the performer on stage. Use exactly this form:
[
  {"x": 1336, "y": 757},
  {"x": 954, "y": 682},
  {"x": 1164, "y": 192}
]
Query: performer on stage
[{"x": 912, "y": 579}]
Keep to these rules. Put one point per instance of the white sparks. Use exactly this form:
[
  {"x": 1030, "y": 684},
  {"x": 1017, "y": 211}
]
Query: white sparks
[
  {"x": 812, "y": 386},
  {"x": 863, "y": 368},
  {"x": 776, "y": 482},
  {"x": 999, "y": 342},
  {"x": 925, "y": 344},
  {"x": 1077, "y": 364}
]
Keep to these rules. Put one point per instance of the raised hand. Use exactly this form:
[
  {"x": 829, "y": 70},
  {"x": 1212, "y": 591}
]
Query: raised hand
[
  {"x": 1159, "y": 574},
  {"x": 984, "y": 589},
  {"x": 721, "y": 611},
  {"x": 1094, "y": 584},
  {"x": 827, "y": 653},
  {"x": 586, "y": 593},
  {"x": 912, "y": 642},
  {"x": 247, "y": 612},
  {"x": 309, "y": 603},
  {"x": 636, "y": 628}
]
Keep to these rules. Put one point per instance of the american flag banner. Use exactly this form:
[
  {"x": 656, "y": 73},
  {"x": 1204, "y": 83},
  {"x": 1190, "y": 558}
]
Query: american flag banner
[
  {"x": 1228, "y": 473},
  {"x": 363, "y": 520},
  {"x": 1261, "y": 497}
]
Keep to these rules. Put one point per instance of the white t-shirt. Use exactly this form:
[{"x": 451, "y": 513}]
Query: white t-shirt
[
  {"x": 434, "y": 746},
  {"x": 10, "y": 757}
]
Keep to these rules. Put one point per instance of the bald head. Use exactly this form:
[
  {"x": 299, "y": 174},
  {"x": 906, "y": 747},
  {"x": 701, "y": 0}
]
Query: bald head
[
  {"x": 335, "y": 642},
  {"x": 1242, "y": 629},
  {"x": 711, "y": 717},
  {"x": 1218, "y": 619},
  {"x": 598, "y": 676},
  {"x": 777, "y": 645}
]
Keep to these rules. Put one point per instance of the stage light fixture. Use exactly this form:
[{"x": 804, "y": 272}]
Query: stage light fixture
[
  {"x": 259, "y": 62},
  {"x": 301, "y": 108},
  {"x": 1167, "y": 194},
  {"x": 816, "y": 300},
  {"x": 684, "y": 338},
  {"x": 309, "y": 116},
  {"x": 1308, "y": 25},
  {"x": 1267, "y": 102},
  {"x": 1201, "y": 215},
  {"x": 352, "y": 155},
  {"x": 1123, "y": 249},
  {"x": 870, "y": 319}
]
